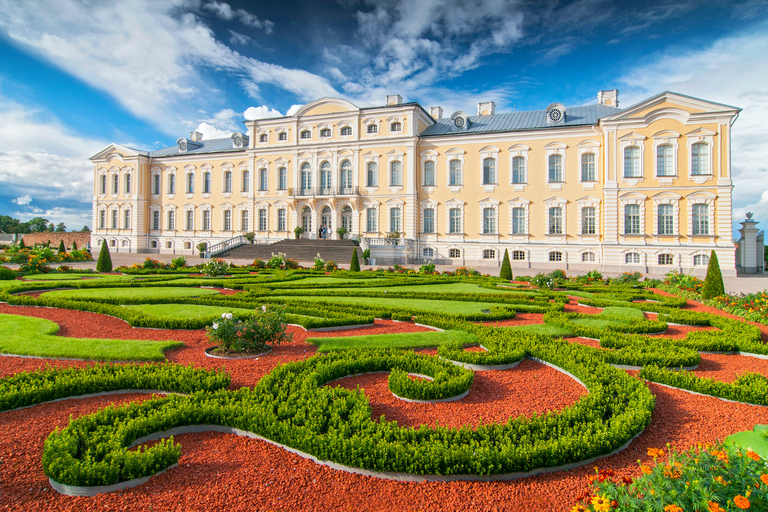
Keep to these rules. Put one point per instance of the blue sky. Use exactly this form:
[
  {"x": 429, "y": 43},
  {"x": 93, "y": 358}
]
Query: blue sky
[{"x": 76, "y": 75}]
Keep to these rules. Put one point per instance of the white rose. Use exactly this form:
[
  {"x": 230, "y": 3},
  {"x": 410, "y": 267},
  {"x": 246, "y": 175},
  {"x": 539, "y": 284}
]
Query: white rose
[
  {"x": 215, "y": 325},
  {"x": 228, "y": 316},
  {"x": 223, "y": 315},
  {"x": 264, "y": 308}
]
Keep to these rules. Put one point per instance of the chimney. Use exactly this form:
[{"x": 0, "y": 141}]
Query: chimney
[
  {"x": 394, "y": 99},
  {"x": 196, "y": 136},
  {"x": 436, "y": 112},
  {"x": 608, "y": 98},
  {"x": 486, "y": 108}
]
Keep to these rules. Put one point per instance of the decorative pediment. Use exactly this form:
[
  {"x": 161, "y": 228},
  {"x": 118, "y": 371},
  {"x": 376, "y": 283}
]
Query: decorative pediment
[
  {"x": 326, "y": 106},
  {"x": 117, "y": 151},
  {"x": 671, "y": 104}
]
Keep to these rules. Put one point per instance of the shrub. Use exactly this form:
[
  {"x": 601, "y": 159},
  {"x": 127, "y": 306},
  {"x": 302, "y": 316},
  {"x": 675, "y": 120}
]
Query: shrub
[
  {"x": 201, "y": 247},
  {"x": 250, "y": 236},
  {"x": 104, "y": 264},
  {"x": 276, "y": 261},
  {"x": 628, "y": 277},
  {"x": 330, "y": 266},
  {"x": 556, "y": 275},
  {"x": 466, "y": 271},
  {"x": 713, "y": 283},
  {"x": 506, "y": 267},
  {"x": 266, "y": 326},
  {"x": 74, "y": 245},
  {"x": 177, "y": 263},
  {"x": 259, "y": 263},
  {"x": 36, "y": 265},
  {"x": 427, "y": 268},
  {"x": 366, "y": 254},
  {"x": 543, "y": 281},
  {"x": 21, "y": 244},
  {"x": 62, "y": 249},
  {"x": 150, "y": 263},
  {"x": 354, "y": 265},
  {"x": 319, "y": 262},
  {"x": 216, "y": 267},
  {"x": 6, "y": 274}
]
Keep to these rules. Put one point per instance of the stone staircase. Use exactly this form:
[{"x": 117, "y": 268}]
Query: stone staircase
[{"x": 300, "y": 250}]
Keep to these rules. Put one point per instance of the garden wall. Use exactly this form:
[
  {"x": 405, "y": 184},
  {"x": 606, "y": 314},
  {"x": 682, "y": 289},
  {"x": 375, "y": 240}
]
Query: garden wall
[{"x": 83, "y": 239}]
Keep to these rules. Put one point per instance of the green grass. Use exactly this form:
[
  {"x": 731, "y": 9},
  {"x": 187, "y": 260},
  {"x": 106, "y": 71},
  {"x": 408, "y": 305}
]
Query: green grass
[
  {"x": 435, "y": 306},
  {"x": 400, "y": 340},
  {"x": 184, "y": 310},
  {"x": 59, "y": 277},
  {"x": 129, "y": 293},
  {"x": 28, "y": 336},
  {"x": 429, "y": 288},
  {"x": 545, "y": 329},
  {"x": 620, "y": 312}
]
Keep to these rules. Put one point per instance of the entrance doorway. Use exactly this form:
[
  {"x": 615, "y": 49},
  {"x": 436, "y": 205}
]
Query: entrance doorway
[
  {"x": 325, "y": 221},
  {"x": 346, "y": 218},
  {"x": 306, "y": 221}
]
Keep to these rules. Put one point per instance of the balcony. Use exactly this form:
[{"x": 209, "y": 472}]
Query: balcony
[{"x": 323, "y": 191}]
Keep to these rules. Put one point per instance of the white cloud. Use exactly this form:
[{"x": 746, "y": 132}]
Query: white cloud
[
  {"x": 730, "y": 71},
  {"x": 23, "y": 200},
  {"x": 262, "y": 112},
  {"x": 238, "y": 38},
  {"x": 225, "y": 11},
  {"x": 211, "y": 132},
  {"x": 293, "y": 109}
]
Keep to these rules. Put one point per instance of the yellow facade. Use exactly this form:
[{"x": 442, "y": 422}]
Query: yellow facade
[{"x": 643, "y": 188}]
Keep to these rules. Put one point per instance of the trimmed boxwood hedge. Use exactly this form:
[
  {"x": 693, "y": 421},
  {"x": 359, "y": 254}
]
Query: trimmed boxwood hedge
[{"x": 751, "y": 388}]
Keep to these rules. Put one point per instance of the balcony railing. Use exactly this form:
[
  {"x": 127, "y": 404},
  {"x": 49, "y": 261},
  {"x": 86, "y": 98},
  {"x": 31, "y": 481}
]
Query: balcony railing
[{"x": 323, "y": 191}]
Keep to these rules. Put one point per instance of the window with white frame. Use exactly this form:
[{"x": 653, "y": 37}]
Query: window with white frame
[
  {"x": 489, "y": 221},
  {"x": 427, "y": 252},
  {"x": 395, "y": 220},
  {"x": 372, "y": 128},
  {"x": 555, "y": 256},
  {"x": 171, "y": 220},
  {"x": 372, "y": 175},
  {"x": 156, "y": 184},
  {"x": 281, "y": 220},
  {"x": 325, "y": 133},
  {"x": 244, "y": 220},
  {"x": 263, "y": 137},
  {"x": 206, "y": 182},
  {"x": 588, "y": 172},
  {"x": 454, "y": 253},
  {"x": 206, "y": 220},
  {"x": 587, "y": 257},
  {"x": 370, "y": 220},
  {"x": 155, "y": 219},
  {"x": 171, "y": 183},
  {"x": 556, "y": 220},
  {"x": 127, "y": 219},
  {"x": 666, "y": 259},
  {"x": 246, "y": 181},
  {"x": 555, "y": 168},
  {"x": 169, "y": 245},
  {"x": 454, "y": 221},
  {"x": 282, "y": 178},
  {"x": 346, "y": 130},
  {"x": 114, "y": 219},
  {"x": 666, "y": 219},
  {"x": 632, "y": 162},
  {"x": 306, "y": 176},
  {"x": 227, "y": 220},
  {"x": 190, "y": 183},
  {"x": 489, "y": 254},
  {"x": 632, "y": 219},
  {"x": 700, "y": 219},
  {"x": 305, "y": 134},
  {"x": 588, "y": 220},
  {"x": 102, "y": 219},
  {"x": 396, "y": 174},
  {"x": 489, "y": 171},
  {"x": 518, "y": 169},
  {"x": 116, "y": 183},
  {"x": 395, "y": 126},
  {"x": 429, "y": 220},
  {"x": 700, "y": 260},
  {"x": 429, "y": 173},
  {"x": 103, "y": 184},
  {"x": 699, "y": 159},
  {"x": 262, "y": 219},
  {"x": 345, "y": 175},
  {"x": 455, "y": 177},
  {"x": 190, "y": 224},
  {"x": 282, "y": 136},
  {"x": 113, "y": 243},
  {"x": 153, "y": 244},
  {"x": 325, "y": 176},
  {"x": 518, "y": 221},
  {"x": 127, "y": 184},
  {"x": 187, "y": 245},
  {"x": 263, "y": 179},
  {"x": 632, "y": 258},
  {"x": 664, "y": 165},
  {"x": 227, "y": 182}
]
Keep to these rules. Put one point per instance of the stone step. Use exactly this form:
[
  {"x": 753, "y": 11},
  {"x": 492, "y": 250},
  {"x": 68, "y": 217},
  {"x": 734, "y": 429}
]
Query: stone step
[{"x": 302, "y": 250}]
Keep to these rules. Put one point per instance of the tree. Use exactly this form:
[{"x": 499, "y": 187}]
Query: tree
[
  {"x": 21, "y": 244},
  {"x": 104, "y": 264},
  {"x": 85, "y": 229},
  {"x": 60, "y": 227},
  {"x": 506, "y": 268},
  {"x": 38, "y": 225},
  {"x": 62, "y": 249},
  {"x": 713, "y": 283},
  {"x": 354, "y": 266},
  {"x": 74, "y": 245}
]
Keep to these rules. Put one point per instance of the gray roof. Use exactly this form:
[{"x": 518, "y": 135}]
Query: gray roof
[
  {"x": 202, "y": 146},
  {"x": 516, "y": 121}
]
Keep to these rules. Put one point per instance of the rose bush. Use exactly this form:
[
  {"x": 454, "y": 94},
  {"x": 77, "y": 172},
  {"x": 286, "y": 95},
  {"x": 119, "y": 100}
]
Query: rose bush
[{"x": 256, "y": 333}]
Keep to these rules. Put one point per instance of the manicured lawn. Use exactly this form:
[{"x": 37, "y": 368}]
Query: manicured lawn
[
  {"x": 130, "y": 293},
  {"x": 28, "y": 336},
  {"x": 545, "y": 329},
  {"x": 184, "y": 310},
  {"x": 620, "y": 312},
  {"x": 59, "y": 277},
  {"x": 329, "y": 280},
  {"x": 435, "y": 306},
  {"x": 398, "y": 340},
  {"x": 432, "y": 288}
]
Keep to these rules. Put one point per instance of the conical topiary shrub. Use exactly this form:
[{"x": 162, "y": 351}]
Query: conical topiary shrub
[
  {"x": 62, "y": 249},
  {"x": 74, "y": 245},
  {"x": 713, "y": 283},
  {"x": 21, "y": 245},
  {"x": 105, "y": 260},
  {"x": 506, "y": 268},
  {"x": 354, "y": 266}
]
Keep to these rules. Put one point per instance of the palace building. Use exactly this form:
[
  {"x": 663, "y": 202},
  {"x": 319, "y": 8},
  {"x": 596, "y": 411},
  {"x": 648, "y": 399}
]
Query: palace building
[{"x": 645, "y": 188}]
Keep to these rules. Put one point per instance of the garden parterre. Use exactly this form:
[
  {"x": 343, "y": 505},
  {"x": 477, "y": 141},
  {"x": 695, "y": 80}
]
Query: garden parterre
[{"x": 341, "y": 422}]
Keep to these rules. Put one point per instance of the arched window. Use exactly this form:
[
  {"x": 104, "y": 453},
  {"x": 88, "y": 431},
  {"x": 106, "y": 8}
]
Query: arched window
[
  {"x": 518, "y": 170},
  {"x": 429, "y": 173},
  {"x": 555, "y": 168},
  {"x": 373, "y": 175},
  {"x": 632, "y": 258},
  {"x": 588, "y": 167},
  {"x": 282, "y": 136},
  {"x": 227, "y": 181},
  {"x": 246, "y": 181},
  {"x": 632, "y": 162},
  {"x": 346, "y": 130},
  {"x": 455, "y": 178},
  {"x": 306, "y": 176},
  {"x": 489, "y": 171},
  {"x": 372, "y": 128},
  {"x": 346, "y": 176},
  {"x": 395, "y": 127},
  {"x": 396, "y": 174},
  {"x": 305, "y": 134},
  {"x": 325, "y": 132},
  {"x": 700, "y": 260},
  {"x": 263, "y": 137},
  {"x": 263, "y": 179},
  {"x": 664, "y": 165},
  {"x": 206, "y": 183},
  {"x": 699, "y": 159},
  {"x": 325, "y": 177}
]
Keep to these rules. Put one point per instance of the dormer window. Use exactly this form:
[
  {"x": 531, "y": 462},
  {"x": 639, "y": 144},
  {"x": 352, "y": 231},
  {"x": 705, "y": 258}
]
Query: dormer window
[
  {"x": 372, "y": 128},
  {"x": 396, "y": 127},
  {"x": 556, "y": 113},
  {"x": 305, "y": 134},
  {"x": 237, "y": 140},
  {"x": 325, "y": 132},
  {"x": 346, "y": 130},
  {"x": 282, "y": 136},
  {"x": 182, "y": 142},
  {"x": 263, "y": 137}
]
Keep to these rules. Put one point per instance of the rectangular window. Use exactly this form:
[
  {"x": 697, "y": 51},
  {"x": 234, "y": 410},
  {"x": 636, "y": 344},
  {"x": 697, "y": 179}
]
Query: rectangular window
[
  {"x": 588, "y": 224},
  {"x": 114, "y": 219},
  {"x": 518, "y": 221},
  {"x": 587, "y": 256},
  {"x": 373, "y": 175},
  {"x": 632, "y": 219},
  {"x": 127, "y": 184},
  {"x": 282, "y": 178},
  {"x": 632, "y": 162},
  {"x": 699, "y": 159},
  {"x": 454, "y": 253},
  {"x": 518, "y": 169},
  {"x": 427, "y": 252},
  {"x": 555, "y": 168},
  {"x": 115, "y": 183},
  {"x": 555, "y": 256},
  {"x": 489, "y": 221},
  {"x": 588, "y": 167},
  {"x": 102, "y": 219},
  {"x": 127, "y": 219},
  {"x": 171, "y": 220},
  {"x": 454, "y": 179},
  {"x": 246, "y": 181},
  {"x": 666, "y": 219},
  {"x": 156, "y": 184},
  {"x": 171, "y": 183},
  {"x": 700, "y": 219},
  {"x": 190, "y": 183},
  {"x": 429, "y": 173},
  {"x": 206, "y": 183},
  {"x": 666, "y": 259},
  {"x": 429, "y": 220},
  {"x": 206, "y": 220},
  {"x": 263, "y": 179},
  {"x": 396, "y": 174},
  {"x": 664, "y": 160},
  {"x": 263, "y": 219},
  {"x": 394, "y": 220},
  {"x": 370, "y": 220},
  {"x": 244, "y": 220},
  {"x": 155, "y": 219},
  {"x": 556, "y": 221},
  {"x": 190, "y": 224},
  {"x": 518, "y": 255},
  {"x": 228, "y": 181},
  {"x": 227, "y": 220},
  {"x": 489, "y": 254},
  {"x": 281, "y": 224},
  {"x": 489, "y": 171},
  {"x": 632, "y": 257},
  {"x": 454, "y": 225},
  {"x": 103, "y": 187}
]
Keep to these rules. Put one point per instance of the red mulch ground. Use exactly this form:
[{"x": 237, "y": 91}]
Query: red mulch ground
[{"x": 225, "y": 472}]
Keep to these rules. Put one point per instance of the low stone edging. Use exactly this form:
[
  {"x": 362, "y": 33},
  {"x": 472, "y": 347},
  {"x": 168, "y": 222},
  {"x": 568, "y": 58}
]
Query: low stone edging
[
  {"x": 101, "y": 393},
  {"x": 208, "y": 354},
  {"x": 702, "y": 394},
  {"x": 410, "y": 400}
]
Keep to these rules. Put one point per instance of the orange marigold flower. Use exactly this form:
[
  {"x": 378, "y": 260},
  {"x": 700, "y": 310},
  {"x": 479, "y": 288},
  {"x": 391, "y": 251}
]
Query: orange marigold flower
[
  {"x": 579, "y": 508},
  {"x": 764, "y": 479},
  {"x": 601, "y": 504},
  {"x": 715, "y": 507},
  {"x": 741, "y": 502},
  {"x": 655, "y": 452},
  {"x": 645, "y": 469},
  {"x": 673, "y": 508},
  {"x": 720, "y": 480},
  {"x": 752, "y": 455}
]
